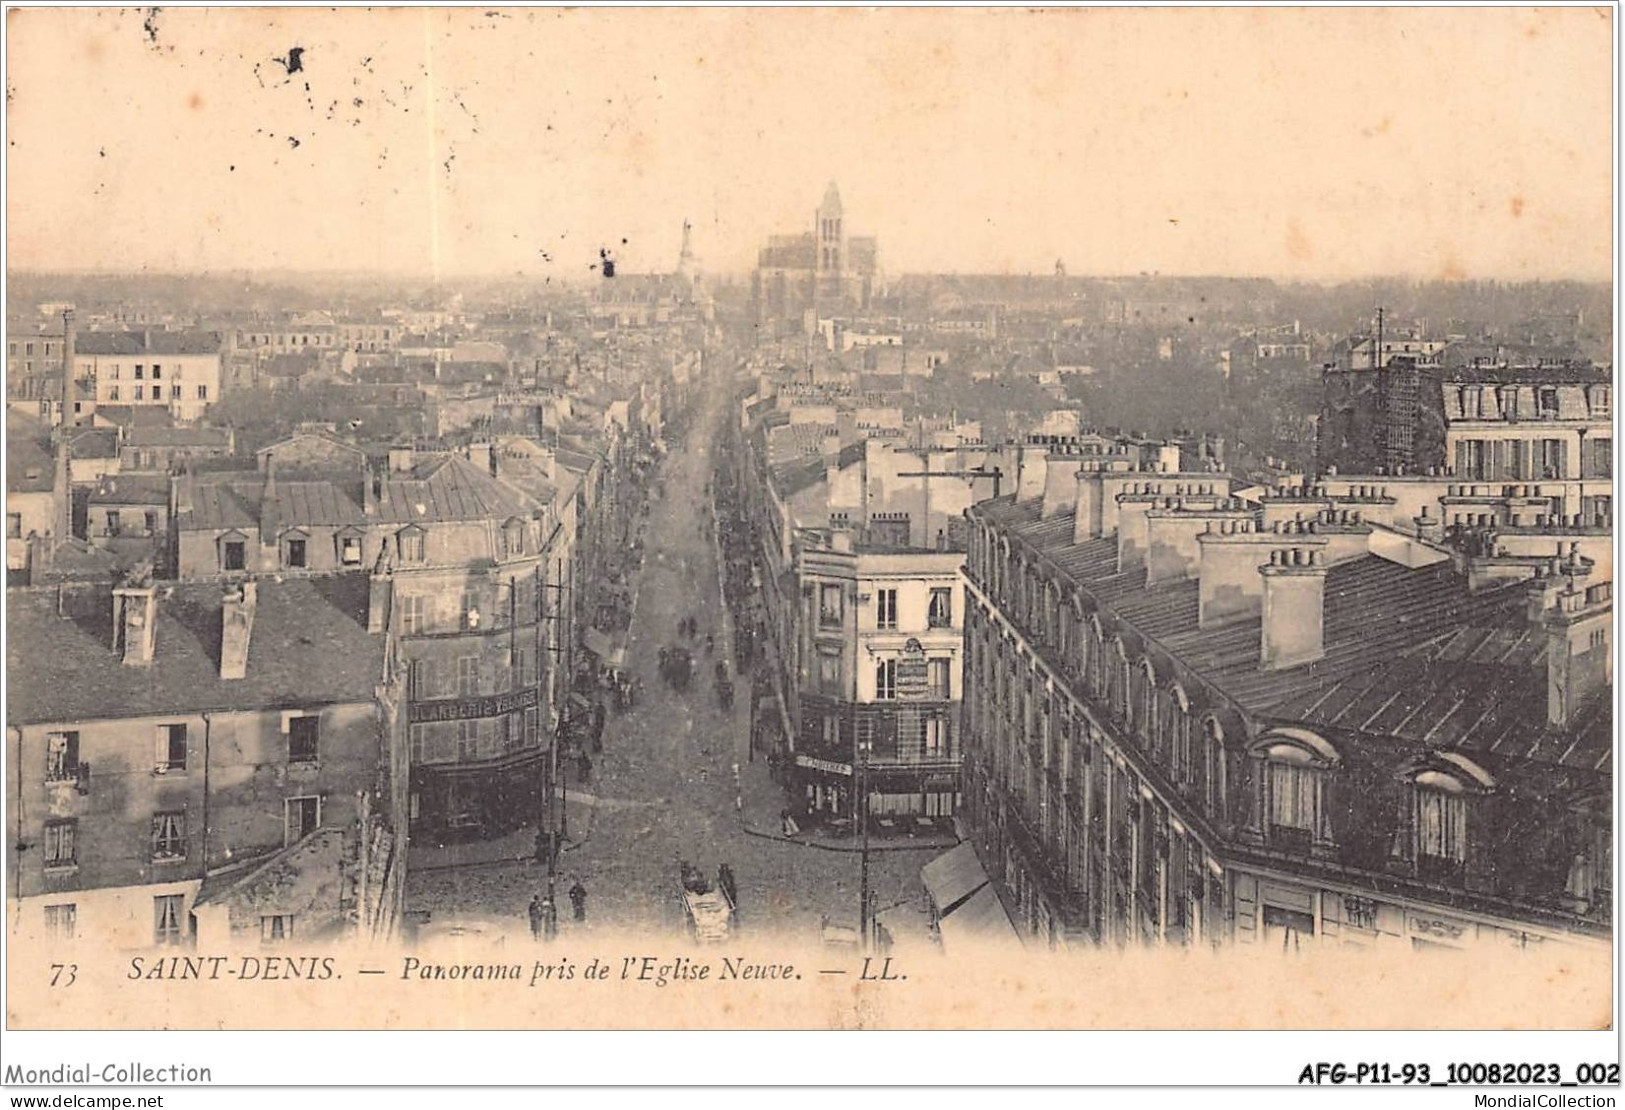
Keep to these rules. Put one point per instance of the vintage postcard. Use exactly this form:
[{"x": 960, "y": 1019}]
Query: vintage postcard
[{"x": 753, "y": 519}]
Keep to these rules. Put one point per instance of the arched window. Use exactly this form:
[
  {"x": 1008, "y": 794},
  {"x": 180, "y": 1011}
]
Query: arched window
[
  {"x": 1095, "y": 663},
  {"x": 1145, "y": 697},
  {"x": 1442, "y": 789},
  {"x": 1077, "y": 648},
  {"x": 1590, "y": 884},
  {"x": 1174, "y": 725},
  {"x": 1213, "y": 764},
  {"x": 1121, "y": 700},
  {"x": 1293, "y": 767}
]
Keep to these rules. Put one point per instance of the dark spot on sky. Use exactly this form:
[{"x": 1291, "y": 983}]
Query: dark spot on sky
[
  {"x": 149, "y": 25},
  {"x": 232, "y": 169},
  {"x": 293, "y": 142},
  {"x": 294, "y": 62},
  {"x": 606, "y": 262},
  {"x": 102, "y": 151}
]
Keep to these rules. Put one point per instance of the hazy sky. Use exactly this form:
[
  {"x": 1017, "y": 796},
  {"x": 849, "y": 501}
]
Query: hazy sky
[{"x": 1320, "y": 143}]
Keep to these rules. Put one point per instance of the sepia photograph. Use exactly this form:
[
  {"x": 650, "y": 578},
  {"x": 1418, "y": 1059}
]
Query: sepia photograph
[{"x": 720, "y": 519}]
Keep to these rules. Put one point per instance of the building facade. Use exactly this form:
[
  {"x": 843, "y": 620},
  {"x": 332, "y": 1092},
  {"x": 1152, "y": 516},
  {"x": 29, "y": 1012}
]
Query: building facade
[
  {"x": 1191, "y": 718},
  {"x": 463, "y": 571},
  {"x": 196, "y": 748}
]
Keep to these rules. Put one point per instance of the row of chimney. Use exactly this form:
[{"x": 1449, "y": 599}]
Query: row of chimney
[{"x": 135, "y": 625}]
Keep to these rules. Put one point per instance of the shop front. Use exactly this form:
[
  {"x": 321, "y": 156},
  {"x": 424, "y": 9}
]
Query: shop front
[{"x": 479, "y": 766}]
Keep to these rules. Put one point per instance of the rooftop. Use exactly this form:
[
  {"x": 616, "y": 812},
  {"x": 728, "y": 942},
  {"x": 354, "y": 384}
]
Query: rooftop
[
  {"x": 146, "y": 342},
  {"x": 1396, "y": 641},
  {"x": 310, "y": 646}
]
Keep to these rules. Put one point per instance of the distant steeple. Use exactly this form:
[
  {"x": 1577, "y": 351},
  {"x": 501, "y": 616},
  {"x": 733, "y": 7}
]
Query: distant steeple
[
  {"x": 685, "y": 257},
  {"x": 832, "y": 201},
  {"x": 831, "y": 238}
]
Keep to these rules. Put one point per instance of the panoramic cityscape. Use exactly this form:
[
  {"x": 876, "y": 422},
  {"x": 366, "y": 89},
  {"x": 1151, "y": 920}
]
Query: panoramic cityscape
[
  {"x": 875, "y": 598},
  {"x": 1066, "y": 610}
]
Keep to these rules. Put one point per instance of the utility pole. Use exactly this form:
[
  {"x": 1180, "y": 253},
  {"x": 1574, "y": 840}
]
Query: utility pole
[{"x": 863, "y": 832}]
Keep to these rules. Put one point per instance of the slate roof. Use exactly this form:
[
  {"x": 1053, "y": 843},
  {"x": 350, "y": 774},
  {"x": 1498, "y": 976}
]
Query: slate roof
[
  {"x": 1478, "y": 689},
  {"x": 131, "y": 489},
  {"x": 291, "y": 365},
  {"x": 1396, "y": 641},
  {"x": 94, "y": 443},
  {"x": 439, "y": 488},
  {"x": 136, "y": 416},
  {"x": 154, "y": 342},
  {"x": 30, "y": 466},
  {"x": 178, "y": 437},
  {"x": 310, "y": 646}
]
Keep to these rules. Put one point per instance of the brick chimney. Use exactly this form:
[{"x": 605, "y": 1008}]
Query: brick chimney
[
  {"x": 1172, "y": 553},
  {"x": 237, "y": 627},
  {"x": 1294, "y": 607},
  {"x": 380, "y": 592},
  {"x": 1578, "y": 621},
  {"x": 270, "y": 516},
  {"x": 1230, "y": 587},
  {"x": 1031, "y": 468},
  {"x": 1088, "y": 502},
  {"x": 70, "y": 387},
  {"x": 1061, "y": 485},
  {"x": 135, "y": 620},
  {"x": 1429, "y": 529}
]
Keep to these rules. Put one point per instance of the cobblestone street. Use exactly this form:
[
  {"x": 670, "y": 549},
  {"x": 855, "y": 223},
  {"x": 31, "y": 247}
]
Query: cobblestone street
[{"x": 664, "y": 788}]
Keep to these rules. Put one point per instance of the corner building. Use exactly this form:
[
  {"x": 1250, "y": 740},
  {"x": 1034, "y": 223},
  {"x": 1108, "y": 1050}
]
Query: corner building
[{"x": 1192, "y": 718}]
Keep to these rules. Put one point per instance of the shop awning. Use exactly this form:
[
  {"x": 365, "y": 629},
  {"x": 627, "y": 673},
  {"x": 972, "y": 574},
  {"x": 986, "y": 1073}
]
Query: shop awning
[
  {"x": 952, "y": 877},
  {"x": 979, "y": 921},
  {"x": 610, "y": 648}
]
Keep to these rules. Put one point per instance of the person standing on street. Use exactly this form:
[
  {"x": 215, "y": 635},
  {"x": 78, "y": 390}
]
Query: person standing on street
[
  {"x": 536, "y": 917},
  {"x": 578, "y": 900}
]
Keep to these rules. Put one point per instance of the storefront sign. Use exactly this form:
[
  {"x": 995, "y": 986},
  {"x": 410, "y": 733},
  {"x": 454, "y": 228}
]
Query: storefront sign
[
  {"x": 464, "y": 709},
  {"x": 913, "y": 673},
  {"x": 823, "y": 765}
]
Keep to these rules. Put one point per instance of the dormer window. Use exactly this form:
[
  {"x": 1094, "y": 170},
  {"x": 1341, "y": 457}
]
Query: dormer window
[
  {"x": 1290, "y": 792},
  {"x": 1441, "y": 820},
  {"x": 513, "y": 537},
  {"x": 1591, "y": 873},
  {"x": 409, "y": 542},
  {"x": 296, "y": 550},
  {"x": 233, "y": 551},
  {"x": 349, "y": 548},
  {"x": 1442, "y": 789}
]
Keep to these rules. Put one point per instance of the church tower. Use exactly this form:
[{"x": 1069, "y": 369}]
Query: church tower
[{"x": 831, "y": 237}]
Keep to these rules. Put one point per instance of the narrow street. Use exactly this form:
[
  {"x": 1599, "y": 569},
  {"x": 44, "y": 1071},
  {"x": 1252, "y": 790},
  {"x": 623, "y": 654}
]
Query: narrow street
[{"x": 663, "y": 790}]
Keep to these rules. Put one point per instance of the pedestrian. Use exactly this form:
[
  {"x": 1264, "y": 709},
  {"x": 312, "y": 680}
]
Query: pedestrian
[
  {"x": 536, "y": 917},
  {"x": 584, "y": 768},
  {"x": 578, "y": 900}
]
